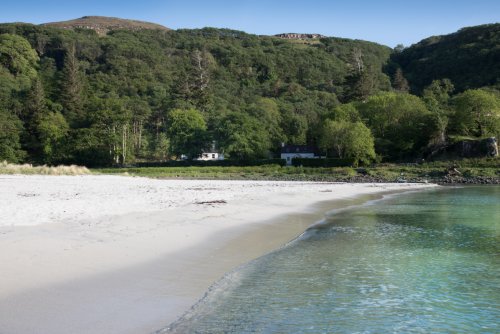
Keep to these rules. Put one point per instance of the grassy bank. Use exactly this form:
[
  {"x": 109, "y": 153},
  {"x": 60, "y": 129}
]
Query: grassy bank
[
  {"x": 465, "y": 171},
  {"x": 484, "y": 171},
  {"x": 268, "y": 172}
]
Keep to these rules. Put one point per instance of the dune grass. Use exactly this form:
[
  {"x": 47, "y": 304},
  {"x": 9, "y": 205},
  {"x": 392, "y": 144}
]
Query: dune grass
[{"x": 28, "y": 169}]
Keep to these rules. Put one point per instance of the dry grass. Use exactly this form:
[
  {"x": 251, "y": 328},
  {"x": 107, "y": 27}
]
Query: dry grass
[{"x": 8, "y": 168}]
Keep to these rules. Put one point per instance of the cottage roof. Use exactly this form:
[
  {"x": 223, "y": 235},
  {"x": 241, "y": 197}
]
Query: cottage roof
[{"x": 299, "y": 149}]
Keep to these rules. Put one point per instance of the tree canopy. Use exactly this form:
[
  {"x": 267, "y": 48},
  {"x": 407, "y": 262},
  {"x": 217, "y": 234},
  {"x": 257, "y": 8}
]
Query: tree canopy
[
  {"x": 187, "y": 132},
  {"x": 469, "y": 58},
  {"x": 348, "y": 140},
  {"x": 477, "y": 113}
]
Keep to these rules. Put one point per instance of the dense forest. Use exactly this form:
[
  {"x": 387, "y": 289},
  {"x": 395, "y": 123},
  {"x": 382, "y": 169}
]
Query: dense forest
[
  {"x": 470, "y": 58},
  {"x": 74, "y": 96}
]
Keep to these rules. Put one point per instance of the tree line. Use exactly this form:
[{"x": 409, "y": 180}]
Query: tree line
[{"x": 74, "y": 97}]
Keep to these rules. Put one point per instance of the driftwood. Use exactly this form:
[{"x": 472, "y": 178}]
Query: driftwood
[{"x": 220, "y": 201}]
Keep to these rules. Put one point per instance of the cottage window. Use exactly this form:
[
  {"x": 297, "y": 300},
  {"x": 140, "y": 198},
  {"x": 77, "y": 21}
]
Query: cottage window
[{"x": 213, "y": 156}]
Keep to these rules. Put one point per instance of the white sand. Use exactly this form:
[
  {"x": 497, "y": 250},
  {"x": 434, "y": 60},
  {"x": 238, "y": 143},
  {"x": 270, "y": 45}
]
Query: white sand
[{"x": 111, "y": 254}]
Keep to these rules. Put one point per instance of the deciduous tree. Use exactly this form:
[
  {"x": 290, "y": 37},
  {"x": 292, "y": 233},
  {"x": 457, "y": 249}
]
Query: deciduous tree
[
  {"x": 436, "y": 97},
  {"x": 348, "y": 140},
  {"x": 243, "y": 137},
  {"x": 17, "y": 55},
  {"x": 399, "y": 122},
  {"x": 10, "y": 133},
  {"x": 477, "y": 113},
  {"x": 187, "y": 132}
]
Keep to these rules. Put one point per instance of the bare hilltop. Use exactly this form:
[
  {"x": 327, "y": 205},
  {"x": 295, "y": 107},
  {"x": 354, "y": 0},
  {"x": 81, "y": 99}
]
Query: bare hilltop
[{"x": 103, "y": 24}]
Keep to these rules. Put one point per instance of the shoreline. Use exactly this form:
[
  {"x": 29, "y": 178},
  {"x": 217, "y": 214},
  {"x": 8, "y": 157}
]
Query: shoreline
[
  {"x": 286, "y": 233},
  {"x": 122, "y": 276}
]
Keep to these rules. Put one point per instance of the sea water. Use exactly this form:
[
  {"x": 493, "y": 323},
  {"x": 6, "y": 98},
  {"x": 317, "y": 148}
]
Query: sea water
[{"x": 422, "y": 262}]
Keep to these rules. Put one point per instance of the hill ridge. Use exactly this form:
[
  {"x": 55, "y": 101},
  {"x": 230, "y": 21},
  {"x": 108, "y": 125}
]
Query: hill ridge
[{"x": 103, "y": 24}]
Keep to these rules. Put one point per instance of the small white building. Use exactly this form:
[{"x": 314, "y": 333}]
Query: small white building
[
  {"x": 211, "y": 153},
  {"x": 288, "y": 152},
  {"x": 211, "y": 156}
]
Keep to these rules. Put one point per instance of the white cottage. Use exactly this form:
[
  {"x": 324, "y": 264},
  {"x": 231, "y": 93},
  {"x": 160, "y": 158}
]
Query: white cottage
[
  {"x": 211, "y": 156},
  {"x": 288, "y": 152}
]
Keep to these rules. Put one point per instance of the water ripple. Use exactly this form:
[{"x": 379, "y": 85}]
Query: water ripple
[{"x": 420, "y": 263}]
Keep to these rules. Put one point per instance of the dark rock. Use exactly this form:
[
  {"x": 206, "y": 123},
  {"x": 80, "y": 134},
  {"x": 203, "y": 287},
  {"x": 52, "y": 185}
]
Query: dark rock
[{"x": 469, "y": 148}]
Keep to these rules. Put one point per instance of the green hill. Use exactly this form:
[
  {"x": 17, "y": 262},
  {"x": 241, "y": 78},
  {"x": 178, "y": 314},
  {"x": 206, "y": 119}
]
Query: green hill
[
  {"x": 470, "y": 58},
  {"x": 104, "y": 91}
]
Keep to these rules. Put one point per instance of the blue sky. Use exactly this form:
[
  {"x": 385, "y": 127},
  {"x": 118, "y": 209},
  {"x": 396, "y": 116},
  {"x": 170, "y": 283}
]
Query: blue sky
[{"x": 387, "y": 22}]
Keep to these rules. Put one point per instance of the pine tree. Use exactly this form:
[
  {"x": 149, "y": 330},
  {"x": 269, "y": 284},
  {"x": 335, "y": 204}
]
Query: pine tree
[
  {"x": 71, "y": 90},
  {"x": 35, "y": 108},
  {"x": 399, "y": 82},
  {"x": 359, "y": 85},
  {"x": 35, "y": 102}
]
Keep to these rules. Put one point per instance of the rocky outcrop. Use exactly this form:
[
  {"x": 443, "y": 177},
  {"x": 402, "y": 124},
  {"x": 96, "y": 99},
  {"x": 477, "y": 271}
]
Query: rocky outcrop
[
  {"x": 299, "y": 36},
  {"x": 469, "y": 148},
  {"x": 102, "y": 24},
  {"x": 476, "y": 148},
  {"x": 492, "y": 147}
]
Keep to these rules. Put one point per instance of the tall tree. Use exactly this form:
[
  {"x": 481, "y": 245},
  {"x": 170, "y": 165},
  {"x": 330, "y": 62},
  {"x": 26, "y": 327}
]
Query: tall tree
[
  {"x": 187, "y": 132},
  {"x": 17, "y": 55},
  {"x": 267, "y": 111},
  {"x": 10, "y": 133},
  {"x": 110, "y": 124},
  {"x": 399, "y": 122},
  {"x": 348, "y": 140},
  {"x": 35, "y": 102},
  {"x": 436, "y": 97},
  {"x": 35, "y": 108},
  {"x": 294, "y": 127},
  {"x": 202, "y": 64},
  {"x": 344, "y": 112},
  {"x": 242, "y": 137},
  {"x": 140, "y": 112},
  {"x": 357, "y": 60},
  {"x": 52, "y": 130},
  {"x": 71, "y": 88},
  {"x": 477, "y": 113},
  {"x": 360, "y": 85},
  {"x": 399, "y": 82}
]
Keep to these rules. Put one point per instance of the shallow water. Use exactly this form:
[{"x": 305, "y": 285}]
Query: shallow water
[{"x": 425, "y": 262}]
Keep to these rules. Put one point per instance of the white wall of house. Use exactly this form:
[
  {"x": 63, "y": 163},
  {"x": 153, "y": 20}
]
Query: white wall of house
[
  {"x": 289, "y": 156},
  {"x": 210, "y": 156}
]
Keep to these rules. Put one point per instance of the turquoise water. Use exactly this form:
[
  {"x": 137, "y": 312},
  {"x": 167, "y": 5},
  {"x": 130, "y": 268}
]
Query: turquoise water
[{"x": 424, "y": 262}]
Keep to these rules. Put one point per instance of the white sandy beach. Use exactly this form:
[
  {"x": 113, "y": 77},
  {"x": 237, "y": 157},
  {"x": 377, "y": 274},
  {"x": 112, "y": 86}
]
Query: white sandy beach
[{"x": 114, "y": 254}]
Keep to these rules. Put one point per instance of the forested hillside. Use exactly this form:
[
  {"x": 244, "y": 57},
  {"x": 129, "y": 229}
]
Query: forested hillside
[
  {"x": 470, "y": 58},
  {"x": 73, "y": 96}
]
